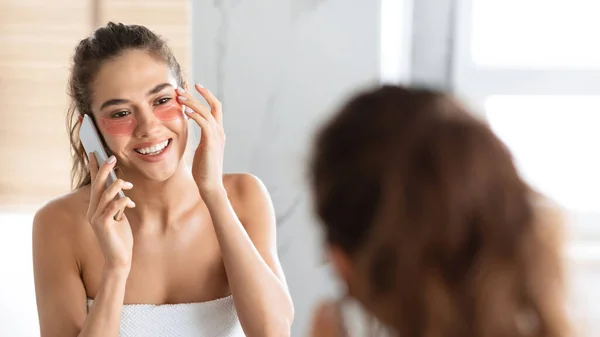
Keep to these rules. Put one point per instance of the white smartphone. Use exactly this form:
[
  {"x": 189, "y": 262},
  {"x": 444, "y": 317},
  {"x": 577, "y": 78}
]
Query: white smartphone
[{"x": 92, "y": 144}]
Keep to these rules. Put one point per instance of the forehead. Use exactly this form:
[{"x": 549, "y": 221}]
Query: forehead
[{"x": 129, "y": 75}]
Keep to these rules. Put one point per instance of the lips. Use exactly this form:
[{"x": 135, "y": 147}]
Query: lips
[
  {"x": 153, "y": 151},
  {"x": 150, "y": 150}
]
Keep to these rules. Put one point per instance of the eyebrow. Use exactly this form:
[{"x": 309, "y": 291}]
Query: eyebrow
[{"x": 117, "y": 101}]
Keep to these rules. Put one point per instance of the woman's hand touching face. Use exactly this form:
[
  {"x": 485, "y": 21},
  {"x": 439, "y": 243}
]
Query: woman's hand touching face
[{"x": 207, "y": 166}]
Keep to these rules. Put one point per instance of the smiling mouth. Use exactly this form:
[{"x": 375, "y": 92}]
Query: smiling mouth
[{"x": 154, "y": 149}]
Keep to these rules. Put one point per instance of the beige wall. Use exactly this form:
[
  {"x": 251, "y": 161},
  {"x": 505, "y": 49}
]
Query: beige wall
[{"x": 37, "y": 39}]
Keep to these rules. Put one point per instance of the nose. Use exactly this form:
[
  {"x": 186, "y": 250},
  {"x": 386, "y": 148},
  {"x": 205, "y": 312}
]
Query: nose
[{"x": 147, "y": 123}]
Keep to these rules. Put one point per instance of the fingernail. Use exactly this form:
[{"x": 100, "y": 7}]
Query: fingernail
[
  {"x": 111, "y": 159},
  {"x": 189, "y": 110},
  {"x": 199, "y": 85},
  {"x": 128, "y": 184},
  {"x": 182, "y": 98},
  {"x": 180, "y": 89},
  {"x": 131, "y": 203}
]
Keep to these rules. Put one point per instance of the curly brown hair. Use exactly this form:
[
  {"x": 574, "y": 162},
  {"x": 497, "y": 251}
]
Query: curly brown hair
[{"x": 445, "y": 236}]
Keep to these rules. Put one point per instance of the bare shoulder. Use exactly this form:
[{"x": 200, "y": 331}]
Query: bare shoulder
[
  {"x": 57, "y": 264},
  {"x": 62, "y": 216},
  {"x": 248, "y": 195},
  {"x": 241, "y": 184}
]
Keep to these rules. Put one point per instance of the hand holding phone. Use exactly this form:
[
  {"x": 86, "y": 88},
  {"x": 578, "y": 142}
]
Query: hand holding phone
[
  {"x": 107, "y": 203},
  {"x": 93, "y": 144}
]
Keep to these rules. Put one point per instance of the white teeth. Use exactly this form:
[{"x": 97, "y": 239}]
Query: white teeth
[{"x": 154, "y": 149}]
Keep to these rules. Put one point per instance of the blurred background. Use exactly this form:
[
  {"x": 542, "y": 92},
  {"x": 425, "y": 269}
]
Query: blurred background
[{"x": 280, "y": 67}]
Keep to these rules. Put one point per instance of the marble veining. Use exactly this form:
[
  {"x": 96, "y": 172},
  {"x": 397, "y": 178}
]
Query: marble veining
[{"x": 280, "y": 67}]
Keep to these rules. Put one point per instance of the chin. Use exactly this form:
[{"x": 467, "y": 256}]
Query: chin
[{"x": 159, "y": 172}]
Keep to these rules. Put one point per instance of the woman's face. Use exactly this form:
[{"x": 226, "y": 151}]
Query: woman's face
[{"x": 135, "y": 107}]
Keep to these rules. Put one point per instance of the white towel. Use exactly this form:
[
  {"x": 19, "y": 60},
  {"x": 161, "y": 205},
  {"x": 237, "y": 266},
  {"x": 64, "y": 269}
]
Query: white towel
[{"x": 216, "y": 318}]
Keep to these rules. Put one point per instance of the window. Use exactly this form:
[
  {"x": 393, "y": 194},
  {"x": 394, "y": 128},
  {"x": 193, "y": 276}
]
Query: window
[
  {"x": 532, "y": 67},
  {"x": 533, "y": 34},
  {"x": 554, "y": 140}
]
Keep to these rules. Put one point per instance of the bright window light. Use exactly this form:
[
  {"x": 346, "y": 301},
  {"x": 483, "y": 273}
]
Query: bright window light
[
  {"x": 536, "y": 33},
  {"x": 555, "y": 142}
]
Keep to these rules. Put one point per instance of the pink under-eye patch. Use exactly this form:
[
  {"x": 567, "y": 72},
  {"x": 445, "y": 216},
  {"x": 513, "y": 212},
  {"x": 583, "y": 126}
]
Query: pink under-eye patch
[
  {"x": 168, "y": 111},
  {"x": 124, "y": 126},
  {"x": 118, "y": 126}
]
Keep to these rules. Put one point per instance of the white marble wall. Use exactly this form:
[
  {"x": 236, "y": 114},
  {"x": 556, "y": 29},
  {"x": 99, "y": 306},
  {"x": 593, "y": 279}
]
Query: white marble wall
[{"x": 280, "y": 67}]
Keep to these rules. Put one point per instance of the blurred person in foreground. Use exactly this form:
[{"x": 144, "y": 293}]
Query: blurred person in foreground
[{"x": 429, "y": 225}]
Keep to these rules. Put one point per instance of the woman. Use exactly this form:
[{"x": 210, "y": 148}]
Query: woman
[
  {"x": 429, "y": 225},
  {"x": 195, "y": 252}
]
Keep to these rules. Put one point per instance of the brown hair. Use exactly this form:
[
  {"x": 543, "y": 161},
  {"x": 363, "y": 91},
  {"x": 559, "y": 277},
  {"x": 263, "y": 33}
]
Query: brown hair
[
  {"x": 105, "y": 44},
  {"x": 446, "y": 238}
]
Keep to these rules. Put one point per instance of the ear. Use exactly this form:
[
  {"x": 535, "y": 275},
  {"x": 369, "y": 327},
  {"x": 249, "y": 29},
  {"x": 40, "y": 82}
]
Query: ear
[
  {"x": 342, "y": 264},
  {"x": 326, "y": 321},
  {"x": 80, "y": 119},
  {"x": 185, "y": 86}
]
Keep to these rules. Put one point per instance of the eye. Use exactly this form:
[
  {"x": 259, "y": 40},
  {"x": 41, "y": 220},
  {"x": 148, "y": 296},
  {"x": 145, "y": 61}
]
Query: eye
[
  {"x": 162, "y": 101},
  {"x": 120, "y": 114}
]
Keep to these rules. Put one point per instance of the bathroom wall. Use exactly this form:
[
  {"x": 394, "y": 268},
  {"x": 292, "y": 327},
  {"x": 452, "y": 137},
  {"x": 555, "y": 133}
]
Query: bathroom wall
[{"x": 280, "y": 67}]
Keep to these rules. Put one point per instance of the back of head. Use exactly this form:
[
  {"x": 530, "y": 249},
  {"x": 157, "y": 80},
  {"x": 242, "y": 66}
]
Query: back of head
[{"x": 444, "y": 237}]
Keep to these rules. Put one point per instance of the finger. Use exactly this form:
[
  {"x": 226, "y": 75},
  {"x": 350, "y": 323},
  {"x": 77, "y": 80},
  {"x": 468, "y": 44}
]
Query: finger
[
  {"x": 116, "y": 207},
  {"x": 187, "y": 100},
  {"x": 98, "y": 177},
  {"x": 111, "y": 192},
  {"x": 103, "y": 172},
  {"x": 93, "y": 166},
  {"x": 216, "y": 108},
  {"x": 201, "y": 121},
  {"x": 202, "y": 113},
  {"x": 99, "y": 184}
]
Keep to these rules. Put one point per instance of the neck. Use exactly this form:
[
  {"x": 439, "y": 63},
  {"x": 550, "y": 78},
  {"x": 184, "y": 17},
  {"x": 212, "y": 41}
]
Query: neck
[{"x": 159, "y": 203}]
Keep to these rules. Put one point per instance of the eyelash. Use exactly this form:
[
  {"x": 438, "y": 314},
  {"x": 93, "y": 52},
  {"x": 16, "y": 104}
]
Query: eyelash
[
  {"x": 166, "y": 99},
  {"x": 121, "y": 114}
]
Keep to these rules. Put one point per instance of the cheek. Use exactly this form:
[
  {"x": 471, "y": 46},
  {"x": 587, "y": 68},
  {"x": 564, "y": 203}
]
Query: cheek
[
  {"x": 118, "y": 127},
  {"x": 126, "y": 125},
  {"x": 169, "y": 111}
]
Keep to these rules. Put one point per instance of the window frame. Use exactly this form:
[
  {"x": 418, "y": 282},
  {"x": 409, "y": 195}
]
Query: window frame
[{"x": 474, "y": 83}]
